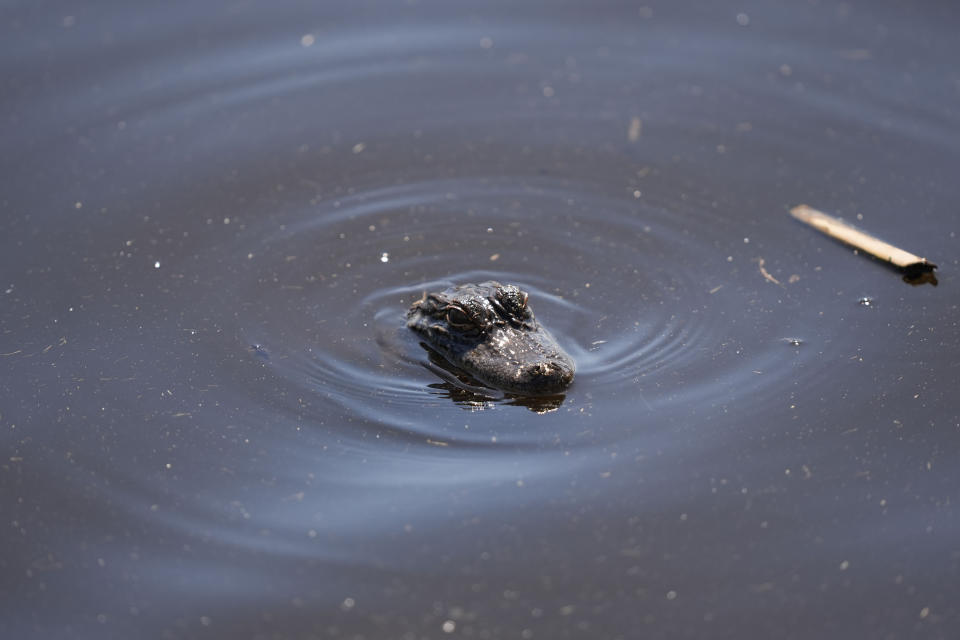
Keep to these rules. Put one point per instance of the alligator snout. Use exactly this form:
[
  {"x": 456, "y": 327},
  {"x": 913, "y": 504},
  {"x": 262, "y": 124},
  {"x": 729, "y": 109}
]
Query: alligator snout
[{"x": 546, "y": 378}]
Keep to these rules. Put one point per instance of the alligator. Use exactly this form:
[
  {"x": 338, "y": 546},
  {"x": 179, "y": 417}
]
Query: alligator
[{"x": 488, "y": 331}]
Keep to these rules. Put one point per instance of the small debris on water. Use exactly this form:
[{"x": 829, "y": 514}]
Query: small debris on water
[
  {"x": 384, "y": 257},
  {"x": 794, "y": 342},
  {"x": 766, "y": 274},
  {"x": 865, "y": 301},
  {"x": 633, "y": 131},
  {"x": 856, "y": 54}
]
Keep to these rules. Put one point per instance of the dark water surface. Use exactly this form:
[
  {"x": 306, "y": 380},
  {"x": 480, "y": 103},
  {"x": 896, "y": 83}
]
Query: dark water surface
[{"x": 214, "y": 215}]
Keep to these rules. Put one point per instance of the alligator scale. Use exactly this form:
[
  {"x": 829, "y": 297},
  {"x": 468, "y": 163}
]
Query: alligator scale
[{"x": 489, "y": 331}]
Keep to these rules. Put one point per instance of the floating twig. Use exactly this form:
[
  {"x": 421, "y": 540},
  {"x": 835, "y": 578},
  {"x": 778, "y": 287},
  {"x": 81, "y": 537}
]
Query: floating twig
[
  {"x": 837, "y": 228},
  {"x": 766, "y": 274}
]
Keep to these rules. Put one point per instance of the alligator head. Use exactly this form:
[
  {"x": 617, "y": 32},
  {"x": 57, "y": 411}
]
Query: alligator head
[{"x": 489, "y": 331}]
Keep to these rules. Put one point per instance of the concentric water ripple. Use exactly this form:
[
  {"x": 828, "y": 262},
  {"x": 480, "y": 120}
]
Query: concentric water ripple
[{"x": 639, "y": 294}]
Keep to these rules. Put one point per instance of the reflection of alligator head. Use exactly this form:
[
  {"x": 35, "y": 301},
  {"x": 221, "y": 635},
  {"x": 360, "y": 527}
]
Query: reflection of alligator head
[{"x": 488, "y": 331}]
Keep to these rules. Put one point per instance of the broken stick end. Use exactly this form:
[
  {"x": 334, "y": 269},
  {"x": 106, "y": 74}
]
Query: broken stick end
[{"x": 922, "y": 266}]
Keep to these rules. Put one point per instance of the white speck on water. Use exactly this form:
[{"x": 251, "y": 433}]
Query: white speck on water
[
  {"x": 746, "y": 241},
  {"x": 348, "y": 604},
  {"x": 865, "y": 301},
  {"x": 489, "y": 229},
  {"x": 77, "y": 205},
  {"x": 449, "y": 626},
  {"x": 226, "y": 221},
  {"x": 637, "y": 194},
  {"x": 548, "y": 92},
  {"x": 359, "y": 147},
  {"x": 671, "y": 595},
  {"x": 307, "y": 40},
  {"x": 156, "y": 265},
  {"x": 206, "y": 621},
  {"x": 384, "y": 257},
  {"x": 844, "y": 565},
  {"x": 743, "y": 19}
]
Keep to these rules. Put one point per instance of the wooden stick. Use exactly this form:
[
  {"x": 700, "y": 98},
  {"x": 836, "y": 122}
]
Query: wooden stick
[{"x": 837, "y": 228}]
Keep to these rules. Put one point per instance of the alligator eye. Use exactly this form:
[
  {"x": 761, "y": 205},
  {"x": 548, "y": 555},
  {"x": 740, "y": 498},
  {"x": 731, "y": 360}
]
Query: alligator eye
[
  {"x": 514, "y": 301},
  {"x": 458, "y": 319}
]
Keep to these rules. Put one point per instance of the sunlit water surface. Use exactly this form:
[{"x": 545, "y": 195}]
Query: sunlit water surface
[{"x": 215, "y": 424}]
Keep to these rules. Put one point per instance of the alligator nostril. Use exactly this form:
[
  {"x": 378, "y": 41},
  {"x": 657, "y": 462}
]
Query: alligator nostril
[{"x": 551, "y": 370}]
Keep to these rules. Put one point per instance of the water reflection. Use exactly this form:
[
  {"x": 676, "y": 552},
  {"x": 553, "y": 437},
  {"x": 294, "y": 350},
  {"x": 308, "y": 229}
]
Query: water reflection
[{"x": 919, "y": 275}]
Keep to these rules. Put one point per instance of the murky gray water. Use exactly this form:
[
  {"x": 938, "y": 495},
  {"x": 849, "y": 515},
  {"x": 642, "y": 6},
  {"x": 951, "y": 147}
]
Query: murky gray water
[{"x": 214, "y": 423}]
